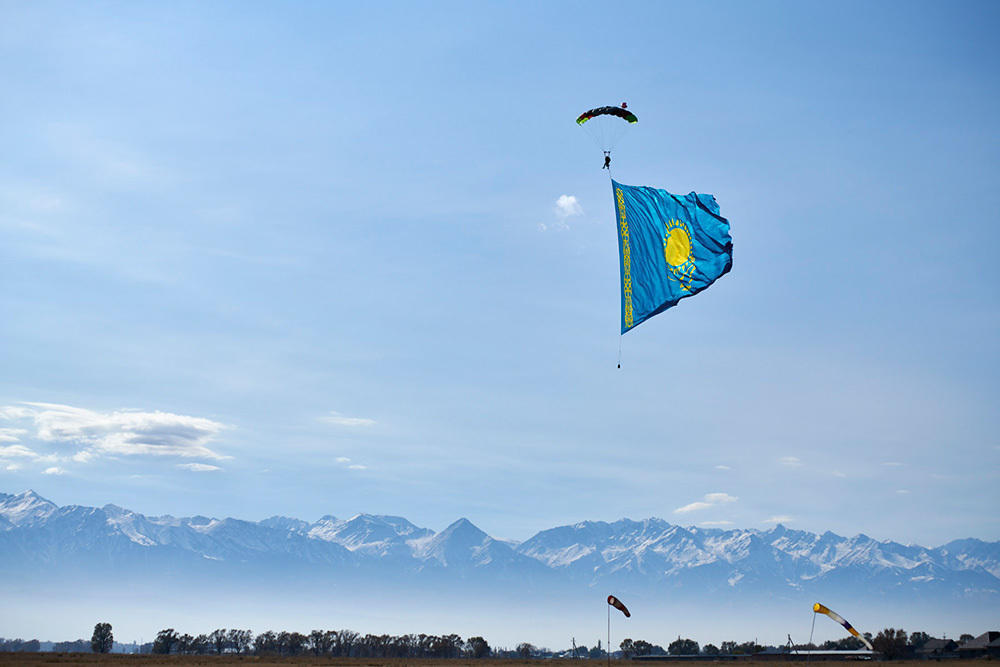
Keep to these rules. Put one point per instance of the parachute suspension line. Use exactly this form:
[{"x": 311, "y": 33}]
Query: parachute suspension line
[{"x": 620, "y": 335}]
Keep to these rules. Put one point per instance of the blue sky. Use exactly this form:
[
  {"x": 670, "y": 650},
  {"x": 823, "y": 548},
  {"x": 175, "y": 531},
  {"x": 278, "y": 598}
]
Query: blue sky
[{"x": 310, "y": 259}]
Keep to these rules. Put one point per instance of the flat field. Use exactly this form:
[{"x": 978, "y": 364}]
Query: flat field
[{"x": 32, "y": 659}]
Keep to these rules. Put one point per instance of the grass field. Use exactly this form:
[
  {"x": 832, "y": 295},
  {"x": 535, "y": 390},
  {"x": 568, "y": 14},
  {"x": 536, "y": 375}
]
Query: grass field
[{"x": 259, "y": 661}]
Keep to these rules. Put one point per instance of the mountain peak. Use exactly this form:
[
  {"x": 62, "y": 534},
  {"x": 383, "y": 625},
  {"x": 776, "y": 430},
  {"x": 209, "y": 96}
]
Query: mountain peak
[
  {"x": 26, "y": 507},
  {"x": 32, "y": 496},
  {"x": 462, "y": 531},
  {"x": 461, "y": 524}
]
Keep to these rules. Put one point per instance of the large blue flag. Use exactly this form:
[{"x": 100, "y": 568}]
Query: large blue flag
[{"x": 670, "y": 247}]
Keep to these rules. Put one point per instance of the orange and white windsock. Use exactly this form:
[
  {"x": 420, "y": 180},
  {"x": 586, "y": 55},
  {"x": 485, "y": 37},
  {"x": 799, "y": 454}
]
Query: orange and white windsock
[
  {"x": 820, "y": 609},
  {"x": 619, "y": 605}
]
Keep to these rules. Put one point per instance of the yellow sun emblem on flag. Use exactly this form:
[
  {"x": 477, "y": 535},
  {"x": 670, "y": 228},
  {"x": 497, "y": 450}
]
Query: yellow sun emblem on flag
[{"x": 677, "y": 252}]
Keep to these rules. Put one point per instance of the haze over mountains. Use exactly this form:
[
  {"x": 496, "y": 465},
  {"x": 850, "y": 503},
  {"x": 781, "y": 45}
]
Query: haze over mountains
[{"x": 652, "y": 563}]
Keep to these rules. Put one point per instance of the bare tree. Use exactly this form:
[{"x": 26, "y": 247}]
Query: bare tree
[
  {"x": 165, "y": 641},
  {"x": 240, "y": 640},
  {"x": 219, "y": 640}
]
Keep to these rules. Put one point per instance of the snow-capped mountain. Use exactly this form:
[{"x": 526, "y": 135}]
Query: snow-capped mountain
[
  {"x": 39, "y": 538},
  {"x": 658, "y": 552}
]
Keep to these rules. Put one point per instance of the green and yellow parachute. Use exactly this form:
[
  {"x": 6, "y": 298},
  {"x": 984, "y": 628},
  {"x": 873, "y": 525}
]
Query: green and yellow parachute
[
  {"x": 620, "y": 112},
  {"x": 606, "y": 125}
]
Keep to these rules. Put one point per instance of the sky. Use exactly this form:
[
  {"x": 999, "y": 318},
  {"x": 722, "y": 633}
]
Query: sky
[{"x": 329, "y": 258}]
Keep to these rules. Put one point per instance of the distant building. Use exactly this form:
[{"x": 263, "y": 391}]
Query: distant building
[
  {"x": 985, "y": 644},
  {"x": 938, "y": 648}
]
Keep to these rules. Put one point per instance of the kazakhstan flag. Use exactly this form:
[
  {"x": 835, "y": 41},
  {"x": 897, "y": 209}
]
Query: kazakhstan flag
[{"x": 670, "y": 247}]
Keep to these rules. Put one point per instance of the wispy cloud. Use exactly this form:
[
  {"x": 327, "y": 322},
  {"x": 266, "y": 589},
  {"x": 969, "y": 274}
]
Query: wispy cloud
[
  {"x": 711, "y": 524},
  {"x": 790, "y": 461},
  {"x": 710, "y": 500},
  {"x": 780, "y": 518},
  {"x": 11, "y": 434},
  {"x": 902, "y": 492},
  {"x": 721, "y": 467},
  {"x": 343, "y": 460},
  {"x": 122, "y": 432},
  {"x": 893, "y": 464},
  {"x": 17, "y": 451},
  {"x": 198, "y": 467},
  {"x": 343, "y": 420},
  {"x": 54, "y": 470}
]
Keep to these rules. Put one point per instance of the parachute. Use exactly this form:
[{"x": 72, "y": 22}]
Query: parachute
[
  {"x": 607, "y": 111},
  {"x": 606, "y": 125},
  {"x": 619, "y": 605},
  {"x": 820, "y": 609}
]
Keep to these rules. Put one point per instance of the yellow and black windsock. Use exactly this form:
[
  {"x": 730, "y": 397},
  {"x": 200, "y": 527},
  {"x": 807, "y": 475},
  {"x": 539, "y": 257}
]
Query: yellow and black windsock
[
  {"x": 619, "y": 605},
  {"x": 820, "y": 609}
]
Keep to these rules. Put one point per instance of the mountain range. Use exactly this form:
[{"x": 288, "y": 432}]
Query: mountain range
[{"x": 40, "y": 540}]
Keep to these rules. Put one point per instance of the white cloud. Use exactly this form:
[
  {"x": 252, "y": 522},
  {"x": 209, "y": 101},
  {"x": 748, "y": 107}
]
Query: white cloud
[
  {"x": 692, "y": 507},
  {"x": 85, "y": 456},
  {"x": 198, "y": 467},
  {"x": 902, "y": 492},
  {"x": 54, "y": 470},
  {"x": 711, "y": 500},
  {"x": 122, "y": 432},
  {"x": 13, "y": 412},
  {"x": 11, "y": 434},
  {"x": 892, "y": 464},
  {"x": 790, "y": 461},
  {"x": 354, "y": 466},
  {"x": 720, "y": 467},
  {"x": 341, "y": 420},
  {"x": 780, "y": 518},
  {"x": 566, "y": 207},
  {"x": 709, "y": 524},
  {"x": 11, "y": 467},
  {"x": 837, "y": 473},
  {"x": 17, "y": 451}
]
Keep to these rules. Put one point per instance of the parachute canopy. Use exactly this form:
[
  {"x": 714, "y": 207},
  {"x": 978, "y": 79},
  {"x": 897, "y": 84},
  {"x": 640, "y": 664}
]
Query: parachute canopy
[
  {"x": 619, "y": 605},
  {"x": 820, "y": 609},
  {"x": 624, "y": 114},
  {"x": 606, "y": 125}
]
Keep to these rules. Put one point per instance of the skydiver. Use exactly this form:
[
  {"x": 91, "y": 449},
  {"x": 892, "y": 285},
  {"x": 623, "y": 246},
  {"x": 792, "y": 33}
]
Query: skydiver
[{"x": 607, "y": 160}]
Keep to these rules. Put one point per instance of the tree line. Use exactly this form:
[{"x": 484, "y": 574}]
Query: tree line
[
  {"x": 890, "y": 643},
  {"x": 329, "y": 643}
]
